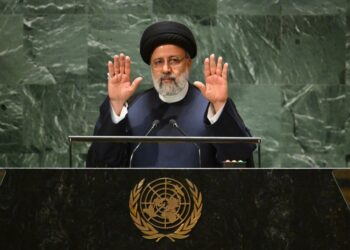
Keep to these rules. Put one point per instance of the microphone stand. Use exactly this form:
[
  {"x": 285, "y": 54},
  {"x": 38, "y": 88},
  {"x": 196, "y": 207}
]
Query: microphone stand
[
  {"x": 175, "y": 125},
  {"x": 154, "y": 125}
]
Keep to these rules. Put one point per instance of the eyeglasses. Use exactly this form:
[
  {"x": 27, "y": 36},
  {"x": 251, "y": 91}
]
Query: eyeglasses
[{"x": 173, "y": 62}]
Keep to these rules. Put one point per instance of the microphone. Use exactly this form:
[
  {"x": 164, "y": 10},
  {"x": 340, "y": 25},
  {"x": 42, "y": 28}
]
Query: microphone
[
  {"x": 154, "y": 125},
  {"x": 173, "y": 123}
]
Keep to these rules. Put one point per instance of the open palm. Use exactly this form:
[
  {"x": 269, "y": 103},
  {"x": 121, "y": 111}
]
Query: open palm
[
  {"x": 215, "y": 89},
  {"x": 120, "y": 88}
]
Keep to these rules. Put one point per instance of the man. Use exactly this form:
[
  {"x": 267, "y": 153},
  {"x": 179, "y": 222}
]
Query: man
[{"x": 168, "y": 47}]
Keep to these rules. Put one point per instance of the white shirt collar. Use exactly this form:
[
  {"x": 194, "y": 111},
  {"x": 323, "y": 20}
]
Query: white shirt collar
[{"x": 175, "y": 98}]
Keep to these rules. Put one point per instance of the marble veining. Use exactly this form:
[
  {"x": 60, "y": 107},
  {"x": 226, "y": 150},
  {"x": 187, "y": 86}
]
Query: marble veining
[{"x": 289, "y": 71}]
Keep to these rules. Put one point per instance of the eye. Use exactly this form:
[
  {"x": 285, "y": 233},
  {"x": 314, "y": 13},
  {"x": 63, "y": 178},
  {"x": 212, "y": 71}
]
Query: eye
[
  {"x": 157, "y": 62},
  {"x": 174, "y": 61}
]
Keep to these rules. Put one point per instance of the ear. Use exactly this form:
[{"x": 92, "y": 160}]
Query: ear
[{"x": 189, "y": 63}]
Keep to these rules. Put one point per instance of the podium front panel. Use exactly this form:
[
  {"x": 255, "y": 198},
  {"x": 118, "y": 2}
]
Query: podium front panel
[{"x": 152, "y": 209}]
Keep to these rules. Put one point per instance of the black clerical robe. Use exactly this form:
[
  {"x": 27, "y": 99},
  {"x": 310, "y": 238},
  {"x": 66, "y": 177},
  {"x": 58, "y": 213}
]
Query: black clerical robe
[{"x": 191, "y": 115}]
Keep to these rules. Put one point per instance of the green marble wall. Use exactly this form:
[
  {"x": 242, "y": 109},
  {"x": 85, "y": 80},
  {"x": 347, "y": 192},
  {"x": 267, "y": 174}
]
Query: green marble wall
[{"x": 289, "y": 75}]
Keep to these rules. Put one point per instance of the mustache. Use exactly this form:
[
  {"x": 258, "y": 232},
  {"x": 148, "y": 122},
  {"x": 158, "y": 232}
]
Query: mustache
[{"x": 167, "y": 77}]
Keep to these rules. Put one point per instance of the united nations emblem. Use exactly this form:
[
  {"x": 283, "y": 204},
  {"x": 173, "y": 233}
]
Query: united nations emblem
[{"x": 165, "y": 208}]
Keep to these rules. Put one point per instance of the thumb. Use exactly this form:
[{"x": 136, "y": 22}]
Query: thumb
[
  {"x": 200, "y": 86},
  {"x": 136, "y": 83}
]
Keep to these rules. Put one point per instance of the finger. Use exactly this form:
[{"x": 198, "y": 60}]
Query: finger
[
  {"x": 116, "y": 64},
  {"x": 200, "y": 86},
  {"x": 212, "y": 64},
  {"x": 206, "y": 67},
  {"x": 135, "y": 84},
  {"x": 110, "y": 69},
  {"x": 219, "y": 66},
  {"x": 127, "y": 65},
  {"x": 225, "y": 71},
  {"x": 122, "y": 63}
]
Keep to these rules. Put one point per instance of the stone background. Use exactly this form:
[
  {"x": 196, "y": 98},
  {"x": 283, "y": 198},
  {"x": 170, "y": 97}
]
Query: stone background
[{"x": 289, "y": 74}]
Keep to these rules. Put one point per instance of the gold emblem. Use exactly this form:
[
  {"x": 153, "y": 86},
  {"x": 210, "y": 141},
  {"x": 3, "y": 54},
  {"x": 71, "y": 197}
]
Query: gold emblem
[{"x": 164, "y": 208}]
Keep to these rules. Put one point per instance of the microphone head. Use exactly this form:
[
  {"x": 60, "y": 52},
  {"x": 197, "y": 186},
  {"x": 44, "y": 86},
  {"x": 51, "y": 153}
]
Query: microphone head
[
  {"x": 155, "y": 123},
  {"x": 172, "y": 122}
]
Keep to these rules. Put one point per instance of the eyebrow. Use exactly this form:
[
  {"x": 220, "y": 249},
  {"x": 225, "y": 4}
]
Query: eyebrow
[{"x": 168, "y": 57}]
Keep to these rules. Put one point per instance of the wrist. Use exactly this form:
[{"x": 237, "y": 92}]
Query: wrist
[
  {"x": 218, "y": 105},
  {"x": 117, "y": 106}
]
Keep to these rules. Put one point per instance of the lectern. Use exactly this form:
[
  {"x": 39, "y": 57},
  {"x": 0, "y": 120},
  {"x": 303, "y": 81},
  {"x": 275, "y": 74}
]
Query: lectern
[
  {"x": 164, "y": 139},
  {"x": 163, "y": 209}
]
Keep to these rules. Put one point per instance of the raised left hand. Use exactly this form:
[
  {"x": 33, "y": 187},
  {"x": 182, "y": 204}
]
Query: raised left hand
[{"x": 215, "y": 89}]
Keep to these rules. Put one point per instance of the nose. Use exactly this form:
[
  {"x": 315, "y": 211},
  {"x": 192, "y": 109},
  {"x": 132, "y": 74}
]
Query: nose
[{"x": 166, "y": 68}]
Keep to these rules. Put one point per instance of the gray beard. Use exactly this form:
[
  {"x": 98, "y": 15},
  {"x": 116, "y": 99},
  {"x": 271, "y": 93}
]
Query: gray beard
[{"x": 170, "y": 89}]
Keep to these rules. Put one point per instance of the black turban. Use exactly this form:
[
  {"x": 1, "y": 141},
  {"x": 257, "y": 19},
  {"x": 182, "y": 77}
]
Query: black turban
[{"x": 166, "y": 32}]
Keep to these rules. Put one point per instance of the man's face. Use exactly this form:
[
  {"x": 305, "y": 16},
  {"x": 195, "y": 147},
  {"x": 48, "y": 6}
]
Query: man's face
[{"x": 170, "y": 69}]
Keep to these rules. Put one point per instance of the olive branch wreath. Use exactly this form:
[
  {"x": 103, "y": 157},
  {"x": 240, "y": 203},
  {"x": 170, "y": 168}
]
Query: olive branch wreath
[{"x": 149, "y": 231}]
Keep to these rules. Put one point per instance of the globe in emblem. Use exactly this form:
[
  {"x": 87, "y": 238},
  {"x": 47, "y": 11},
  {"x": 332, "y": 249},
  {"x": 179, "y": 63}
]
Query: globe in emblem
[{"x": 165, "y": 203}]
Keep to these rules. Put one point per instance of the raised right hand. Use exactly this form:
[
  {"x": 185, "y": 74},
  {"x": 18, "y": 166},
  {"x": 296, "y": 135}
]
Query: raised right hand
[{"x": 119, "y": 87}]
